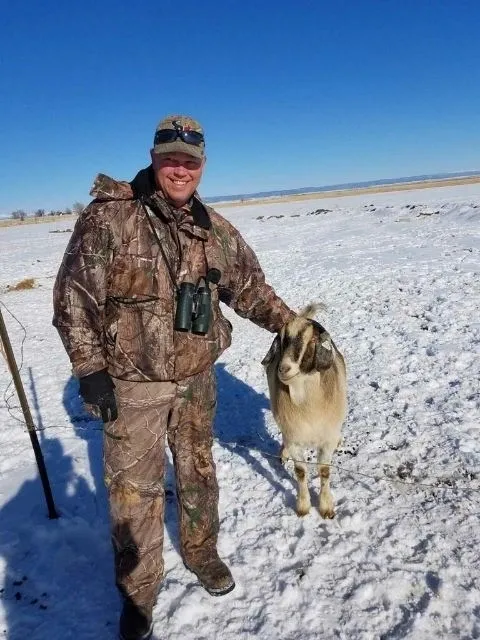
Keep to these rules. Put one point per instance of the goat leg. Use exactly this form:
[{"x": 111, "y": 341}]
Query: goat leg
[
  {"x": 284, "y": 455},
  {"x": 301, "y": 473},
  {"x": 326, "y": 504},
  {"x": 303, "y": 498}
]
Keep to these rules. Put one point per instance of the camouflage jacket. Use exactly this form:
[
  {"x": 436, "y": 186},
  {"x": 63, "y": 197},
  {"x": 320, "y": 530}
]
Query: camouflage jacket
[{"x": 114, "y": 298}]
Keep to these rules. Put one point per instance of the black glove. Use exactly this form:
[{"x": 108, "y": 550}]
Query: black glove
[{"x": 97, "y": 389}]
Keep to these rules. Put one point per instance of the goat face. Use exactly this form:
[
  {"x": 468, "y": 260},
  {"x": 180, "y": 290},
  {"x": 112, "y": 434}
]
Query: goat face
[{"x": 302, "y": 346}]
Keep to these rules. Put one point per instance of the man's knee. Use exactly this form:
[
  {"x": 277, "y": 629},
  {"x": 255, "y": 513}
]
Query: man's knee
[{"x": 135, "y": 501}]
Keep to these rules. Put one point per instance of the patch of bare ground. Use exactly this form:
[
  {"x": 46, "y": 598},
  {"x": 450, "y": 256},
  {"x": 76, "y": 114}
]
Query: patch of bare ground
[{"x": 28, "y": 283}]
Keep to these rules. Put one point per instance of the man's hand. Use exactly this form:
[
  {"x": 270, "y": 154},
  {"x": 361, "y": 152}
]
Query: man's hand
[{"x": 97, "y": 389}]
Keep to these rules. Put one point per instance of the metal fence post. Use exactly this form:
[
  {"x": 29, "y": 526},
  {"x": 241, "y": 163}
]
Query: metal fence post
[{"x": 10, "y": 357}]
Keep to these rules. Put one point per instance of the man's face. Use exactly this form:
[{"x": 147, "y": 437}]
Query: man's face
[{"x": 177, "y": 174}]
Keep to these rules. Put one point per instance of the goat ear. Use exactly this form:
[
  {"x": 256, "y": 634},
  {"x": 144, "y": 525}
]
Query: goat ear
[
  {"x": 323, "y": 351},
  {"x": 272, "y": 352}
]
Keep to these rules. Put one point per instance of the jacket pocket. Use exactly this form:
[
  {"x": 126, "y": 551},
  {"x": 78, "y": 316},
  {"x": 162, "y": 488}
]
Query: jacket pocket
[{"x": 139, "y": 342}]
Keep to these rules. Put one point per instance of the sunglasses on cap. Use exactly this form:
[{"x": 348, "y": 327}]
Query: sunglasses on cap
[{"x": 170, "y": 135}]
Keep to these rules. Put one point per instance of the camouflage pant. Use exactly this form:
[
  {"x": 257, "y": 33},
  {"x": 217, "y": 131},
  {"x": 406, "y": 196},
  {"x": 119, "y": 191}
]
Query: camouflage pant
[{"x": 134, "y": 456}]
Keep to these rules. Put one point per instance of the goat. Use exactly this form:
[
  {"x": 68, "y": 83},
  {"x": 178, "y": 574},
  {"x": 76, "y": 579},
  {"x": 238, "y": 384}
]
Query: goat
[{"x": 306, "y": 376}]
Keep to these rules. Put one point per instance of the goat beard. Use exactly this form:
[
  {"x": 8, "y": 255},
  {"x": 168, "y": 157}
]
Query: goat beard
[{"x": 296, "y": 389}]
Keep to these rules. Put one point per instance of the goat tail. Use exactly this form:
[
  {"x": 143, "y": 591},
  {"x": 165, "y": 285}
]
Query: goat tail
[{"x": 312, "y": 309}]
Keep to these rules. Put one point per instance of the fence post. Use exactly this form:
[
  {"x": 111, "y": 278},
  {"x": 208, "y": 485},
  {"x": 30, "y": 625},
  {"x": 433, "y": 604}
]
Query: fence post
[{"x": 10, "y": 357}]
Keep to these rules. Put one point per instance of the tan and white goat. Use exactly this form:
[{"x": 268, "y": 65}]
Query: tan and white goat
[{"x": 308, "y": 395}]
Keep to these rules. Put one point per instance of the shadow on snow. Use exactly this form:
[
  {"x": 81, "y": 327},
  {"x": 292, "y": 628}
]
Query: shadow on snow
[{"x": 59, "y": 579}]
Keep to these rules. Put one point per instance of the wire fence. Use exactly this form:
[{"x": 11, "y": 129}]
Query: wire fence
[{"x": 436, "y": 482}]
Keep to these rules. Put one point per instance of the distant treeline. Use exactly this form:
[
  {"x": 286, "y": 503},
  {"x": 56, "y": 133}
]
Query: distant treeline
[{"x": 76, "y": 209}]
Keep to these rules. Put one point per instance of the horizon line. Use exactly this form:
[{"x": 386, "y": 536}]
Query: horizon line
[
  {"x": 305, "y": 190},
  {"x": 344, "y": 185}
]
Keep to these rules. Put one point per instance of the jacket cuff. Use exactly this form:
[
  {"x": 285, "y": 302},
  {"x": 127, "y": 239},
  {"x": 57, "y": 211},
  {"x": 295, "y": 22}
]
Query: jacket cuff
[{"x": 86, "y": 367}]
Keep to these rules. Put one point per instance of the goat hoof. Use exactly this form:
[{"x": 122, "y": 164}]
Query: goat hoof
[
  {"x": 302, "y": 511},
  {"x": 328, "y": 514}
]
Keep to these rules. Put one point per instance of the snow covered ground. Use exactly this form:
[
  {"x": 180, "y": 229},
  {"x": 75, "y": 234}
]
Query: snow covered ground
[{"x": 400, "y": 273}]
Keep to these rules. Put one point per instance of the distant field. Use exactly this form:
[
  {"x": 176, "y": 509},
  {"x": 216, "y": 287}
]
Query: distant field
[
  {"x": 9, "y": 222},
  {"x": 339, "y": 193},
  {"x": 313, "y": 195}
]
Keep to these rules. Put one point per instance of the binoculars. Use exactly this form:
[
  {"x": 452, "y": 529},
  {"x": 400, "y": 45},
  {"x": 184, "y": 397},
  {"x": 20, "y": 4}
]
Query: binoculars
[{"x": 194, "y": 304}]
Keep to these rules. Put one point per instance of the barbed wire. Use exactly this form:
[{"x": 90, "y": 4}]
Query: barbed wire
[
  {"x": 6, "y": 397},
  {"x": 352, "y": 472},
  {"x": 335, "y": 466},
  {"x": 267, "y": 454}
]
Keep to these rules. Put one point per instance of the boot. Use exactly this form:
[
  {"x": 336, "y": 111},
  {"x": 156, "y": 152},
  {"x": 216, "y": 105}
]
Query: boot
[
  {"x": 214, "y": 576},
  {"x": 135, "y": 623}
]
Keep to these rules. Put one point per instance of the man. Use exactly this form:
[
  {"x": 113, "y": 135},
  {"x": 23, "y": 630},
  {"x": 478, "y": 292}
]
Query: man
[{"x": 136, "y": 304}]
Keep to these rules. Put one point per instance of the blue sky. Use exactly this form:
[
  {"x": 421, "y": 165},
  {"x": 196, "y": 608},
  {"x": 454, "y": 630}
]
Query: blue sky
[{"x": 291, "y": 94}]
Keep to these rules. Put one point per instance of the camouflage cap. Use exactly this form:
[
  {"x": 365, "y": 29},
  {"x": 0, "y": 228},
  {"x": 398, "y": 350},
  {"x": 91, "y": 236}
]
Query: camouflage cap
[{"x": 183, "y": 123}]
